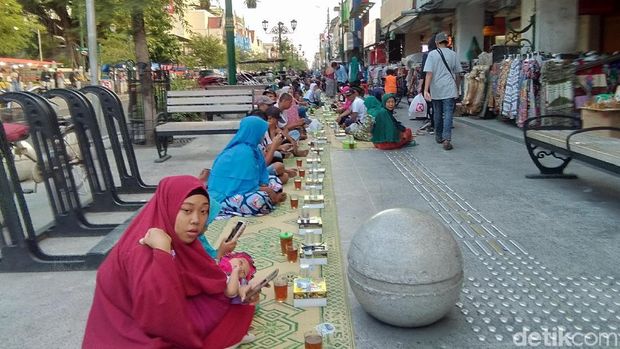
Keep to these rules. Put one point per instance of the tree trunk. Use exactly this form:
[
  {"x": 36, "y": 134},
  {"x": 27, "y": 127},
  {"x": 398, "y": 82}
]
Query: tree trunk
[{"x": 144, "y": 72}]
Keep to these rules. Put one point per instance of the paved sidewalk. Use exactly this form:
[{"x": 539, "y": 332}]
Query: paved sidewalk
[{"x": 567, "y": 230}]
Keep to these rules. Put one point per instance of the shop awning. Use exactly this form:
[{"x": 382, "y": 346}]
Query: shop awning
[
  {"x": 400, "y": 25},
  {"x": 21, "y": 63}
]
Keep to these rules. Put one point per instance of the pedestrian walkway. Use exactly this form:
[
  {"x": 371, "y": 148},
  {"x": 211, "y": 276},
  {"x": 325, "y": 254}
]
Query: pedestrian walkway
[{"x": 538, "y": 254}]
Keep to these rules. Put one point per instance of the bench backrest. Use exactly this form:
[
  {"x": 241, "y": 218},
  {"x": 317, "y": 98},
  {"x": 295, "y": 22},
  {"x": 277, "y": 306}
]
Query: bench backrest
[
  {"x": 211, "y": 101},
  {"x": 238, "y": 87}
]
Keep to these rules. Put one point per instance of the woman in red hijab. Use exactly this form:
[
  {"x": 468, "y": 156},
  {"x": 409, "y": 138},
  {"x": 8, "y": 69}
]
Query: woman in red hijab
[{"x": 169, "y": 295}]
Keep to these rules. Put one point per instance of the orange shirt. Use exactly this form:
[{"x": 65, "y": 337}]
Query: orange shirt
[{"x": 390, "y": 84}]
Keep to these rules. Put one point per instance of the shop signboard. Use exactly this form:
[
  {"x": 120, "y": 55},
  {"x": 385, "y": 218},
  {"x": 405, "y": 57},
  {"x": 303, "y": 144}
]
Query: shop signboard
[{"x": 372, "y": 32}]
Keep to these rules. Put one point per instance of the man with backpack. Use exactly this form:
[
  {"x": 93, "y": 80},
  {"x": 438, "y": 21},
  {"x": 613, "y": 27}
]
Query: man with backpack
[{"x": 442, "y": 87}]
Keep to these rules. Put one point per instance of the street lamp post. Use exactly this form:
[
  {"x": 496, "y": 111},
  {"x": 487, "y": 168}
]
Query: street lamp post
[
  {"x": 280, "y": 29},
  {"x": 230, "y": 44}
]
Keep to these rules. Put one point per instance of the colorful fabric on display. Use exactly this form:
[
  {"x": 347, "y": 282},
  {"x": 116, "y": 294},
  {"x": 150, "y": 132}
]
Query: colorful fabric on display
[
  {"x": 511, "y": 97},
  {"x": 557, "y": 88},
  {"x": 529, "y": 95}
]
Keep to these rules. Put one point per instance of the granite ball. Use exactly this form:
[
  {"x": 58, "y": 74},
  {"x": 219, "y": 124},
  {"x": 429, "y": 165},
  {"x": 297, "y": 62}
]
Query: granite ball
[{"x": 405, "y": 268}]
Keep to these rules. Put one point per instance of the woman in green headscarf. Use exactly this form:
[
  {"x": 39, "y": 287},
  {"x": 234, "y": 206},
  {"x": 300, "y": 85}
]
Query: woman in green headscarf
[{"x": 388, "y": 133}]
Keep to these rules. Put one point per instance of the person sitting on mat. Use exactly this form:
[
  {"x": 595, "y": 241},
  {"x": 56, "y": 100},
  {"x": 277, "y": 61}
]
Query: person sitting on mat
[
  {"x": 239, "y": 180},
  {"x": 158, "y": 287},
  {"x": 388, "y": 133}
]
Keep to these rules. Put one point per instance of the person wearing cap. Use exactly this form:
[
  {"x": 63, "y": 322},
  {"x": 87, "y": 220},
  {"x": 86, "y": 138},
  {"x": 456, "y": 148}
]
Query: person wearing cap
[
  {"x": 441, "y": 86},
  {"x": 357, "y": 110},
  {"x": 271, "y": 94},
  {"x": 343, "y": 106},
  {"x": 262, "y": 104}
]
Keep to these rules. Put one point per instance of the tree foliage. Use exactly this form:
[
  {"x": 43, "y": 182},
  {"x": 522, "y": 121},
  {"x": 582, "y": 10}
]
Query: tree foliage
[
  {"x": 17, "y": 28},
  {"x": 208, "y": 51},
  {"x": 117, "y": 47}
]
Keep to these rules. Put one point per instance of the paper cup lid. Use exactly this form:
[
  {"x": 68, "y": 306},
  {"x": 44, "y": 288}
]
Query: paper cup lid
[{"x": 325, "y": 329}]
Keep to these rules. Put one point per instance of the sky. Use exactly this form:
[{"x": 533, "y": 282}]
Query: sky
[{"x": 311, "y": 16}]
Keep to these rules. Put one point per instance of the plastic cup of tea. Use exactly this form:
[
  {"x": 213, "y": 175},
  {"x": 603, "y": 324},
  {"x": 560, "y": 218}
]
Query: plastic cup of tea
[
  {"x": 301, "y": 171},
  {"x": 294, "y": 201},
  {"x": 280, "y": 288},
  {"x": 286, "y": 239},
  {"x": 297, "y": 183},
  {"x": 299, "y": 162},
  {"x": 292, "y": 252},
  {"x": 313, "y": 340}
]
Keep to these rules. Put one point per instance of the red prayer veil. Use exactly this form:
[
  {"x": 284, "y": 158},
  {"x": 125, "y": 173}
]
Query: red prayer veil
[
  {"x": 199, "y": 272},
  {"x": 141, "y": 296}
]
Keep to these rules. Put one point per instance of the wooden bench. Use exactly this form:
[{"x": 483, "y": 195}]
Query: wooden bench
[
  {"x": 233, "y": 100},
  {"x": 563, "y": 139}
]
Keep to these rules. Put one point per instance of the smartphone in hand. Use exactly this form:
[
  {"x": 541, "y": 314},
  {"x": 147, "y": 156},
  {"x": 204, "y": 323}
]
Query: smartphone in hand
[
  {"x": 237, "y": 231},
  {"x": 256, "y": 288}
]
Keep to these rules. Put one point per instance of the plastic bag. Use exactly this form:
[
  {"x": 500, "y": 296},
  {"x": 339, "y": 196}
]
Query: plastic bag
[{"x": 417, "y": 108}]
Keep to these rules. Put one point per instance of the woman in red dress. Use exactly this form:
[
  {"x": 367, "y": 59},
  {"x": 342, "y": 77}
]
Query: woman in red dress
[{"x": 158, "y": 288}]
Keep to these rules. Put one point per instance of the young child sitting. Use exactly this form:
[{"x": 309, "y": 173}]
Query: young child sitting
[{"x": 239, "y": 266}]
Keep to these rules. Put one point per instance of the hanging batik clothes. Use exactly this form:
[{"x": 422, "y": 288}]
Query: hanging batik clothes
[
  {"x": 492, "y": 88},
  {"x": 557, "y": 88},
  {"x": 511, "y": 98},
  {"x": 529, "y": 95},
  {"x": 504, "y": 70}
]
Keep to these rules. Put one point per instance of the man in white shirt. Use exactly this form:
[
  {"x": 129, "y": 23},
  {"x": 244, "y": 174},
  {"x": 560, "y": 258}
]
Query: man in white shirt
[
  {"x": 441, "y": 86},
  {"x": 357, "y": 111}
]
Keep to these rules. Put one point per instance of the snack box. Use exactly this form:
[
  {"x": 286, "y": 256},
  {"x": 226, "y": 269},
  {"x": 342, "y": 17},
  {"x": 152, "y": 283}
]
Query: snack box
[
  {"x": 314, "y": 199},
  {"x": 310, "y": 181},
  {"x": 313, "y": 254},
  {"x": 320, "y": 170},
  {"x": 310, "y": 223},
  {"x": 309, "y": 292}
]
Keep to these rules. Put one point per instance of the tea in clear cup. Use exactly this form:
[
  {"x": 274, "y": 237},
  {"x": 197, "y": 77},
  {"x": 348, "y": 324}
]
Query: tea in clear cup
[
  {"x": 286, "y": 239},
  {"x": 297, "y": 183},
  {"x": 302, "y": 172},
  {"x": 280, "y": 288},
  {"x": 313, "y": 340},
  {"x": 292, "y": 252},
  {"x": 294, "y": 201},
  {"x": 299, "y": 162}
]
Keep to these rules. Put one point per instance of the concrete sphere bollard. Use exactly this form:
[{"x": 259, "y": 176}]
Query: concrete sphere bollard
[{"x": 405, "y": 268}]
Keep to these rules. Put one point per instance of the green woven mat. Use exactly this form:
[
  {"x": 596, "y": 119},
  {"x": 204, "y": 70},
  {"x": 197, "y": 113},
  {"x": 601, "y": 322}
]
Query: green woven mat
[{"x": 281, "y": 325}]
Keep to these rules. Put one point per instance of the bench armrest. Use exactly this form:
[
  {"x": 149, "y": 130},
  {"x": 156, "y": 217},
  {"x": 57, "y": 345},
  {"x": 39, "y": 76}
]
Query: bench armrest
[{"x": 589, "y": 129}]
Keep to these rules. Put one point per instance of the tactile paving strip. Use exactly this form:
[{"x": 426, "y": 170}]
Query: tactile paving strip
[{"x": 518, "y": 293}]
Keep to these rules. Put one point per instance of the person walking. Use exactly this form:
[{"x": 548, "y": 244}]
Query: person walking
[
  {"x": 441, "y": 86},
  {"x": 330, "y": 80}
]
